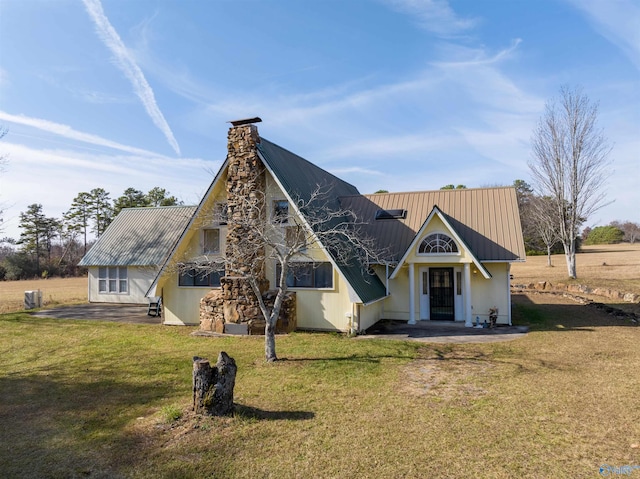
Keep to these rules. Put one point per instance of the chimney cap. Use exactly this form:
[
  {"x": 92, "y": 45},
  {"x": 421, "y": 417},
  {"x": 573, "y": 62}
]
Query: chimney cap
[{"x": 246, "y": 121}]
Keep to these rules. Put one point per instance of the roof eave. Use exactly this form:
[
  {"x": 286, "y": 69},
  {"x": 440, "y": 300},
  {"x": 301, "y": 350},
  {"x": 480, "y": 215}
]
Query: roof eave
[{"x": 186, "y": 229}]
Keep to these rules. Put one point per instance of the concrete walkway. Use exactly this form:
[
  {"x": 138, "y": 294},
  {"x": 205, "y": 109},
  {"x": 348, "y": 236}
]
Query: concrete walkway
[
  {"x": 120, "y": 313},
  {"x": 442, "y": 332}
]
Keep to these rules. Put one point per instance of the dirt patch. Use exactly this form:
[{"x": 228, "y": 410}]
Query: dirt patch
[{"x": 449, "y": 375}]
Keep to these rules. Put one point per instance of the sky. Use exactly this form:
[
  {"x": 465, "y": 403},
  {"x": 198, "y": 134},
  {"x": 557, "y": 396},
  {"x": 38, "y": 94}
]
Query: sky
[{"x": 400, "y": 95}]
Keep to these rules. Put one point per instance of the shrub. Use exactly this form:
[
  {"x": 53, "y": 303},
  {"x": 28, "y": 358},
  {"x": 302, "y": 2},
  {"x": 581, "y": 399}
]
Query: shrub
[{"x": 604, "y": 235}]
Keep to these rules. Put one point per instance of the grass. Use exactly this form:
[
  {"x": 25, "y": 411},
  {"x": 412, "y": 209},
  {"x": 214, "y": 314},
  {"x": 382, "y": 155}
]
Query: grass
[
  {"x": 608, "y": 266},
  {"x": 103, "y": 400},
  {"x": 114, "y": 400},
  {"x": 54, "y": 291}
]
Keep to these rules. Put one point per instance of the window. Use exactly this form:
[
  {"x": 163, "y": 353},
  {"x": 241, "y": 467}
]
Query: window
[
  {"x": 211, "y": 241},
  {"x": 391, "y": 214},
  {"x": 220, "y": 213},
  {"x": 280, "y": 211},
  {"x": 437, "y": 243},
  {"x": 194, "y": 277},
  {"x": 113, "y": 279},
  {"x": 308, "y": 275},
  {"x": 459, "y": 283},
  {"x": 295, "y": 237}
]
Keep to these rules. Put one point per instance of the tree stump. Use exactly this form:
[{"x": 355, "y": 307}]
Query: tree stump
[{"x": 213, "y": 386}]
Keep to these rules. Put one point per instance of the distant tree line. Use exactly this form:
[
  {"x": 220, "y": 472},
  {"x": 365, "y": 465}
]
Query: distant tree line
[
  {"x": 54, "y": 246},
  {"x": 540, "y": 230}
]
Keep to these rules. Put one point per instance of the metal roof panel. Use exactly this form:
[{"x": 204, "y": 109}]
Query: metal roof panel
[{"x": 139, "y": 237}]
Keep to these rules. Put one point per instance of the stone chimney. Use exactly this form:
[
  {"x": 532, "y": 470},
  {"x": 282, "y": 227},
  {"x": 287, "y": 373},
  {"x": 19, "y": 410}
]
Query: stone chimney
[
  {"x": 246, "y": 182},
  {"x": 246, "y": 195}
]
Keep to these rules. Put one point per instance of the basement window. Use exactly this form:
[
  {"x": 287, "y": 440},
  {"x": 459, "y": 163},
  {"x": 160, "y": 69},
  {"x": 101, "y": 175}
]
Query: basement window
[{"x": 399, "y": 214}]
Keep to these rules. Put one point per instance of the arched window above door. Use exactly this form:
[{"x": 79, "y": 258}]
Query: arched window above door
[{"x": 437, "y": 243}]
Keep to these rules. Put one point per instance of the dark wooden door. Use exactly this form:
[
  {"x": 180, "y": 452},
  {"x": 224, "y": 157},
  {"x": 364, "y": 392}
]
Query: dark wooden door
[{"x": 442, "y": 294}]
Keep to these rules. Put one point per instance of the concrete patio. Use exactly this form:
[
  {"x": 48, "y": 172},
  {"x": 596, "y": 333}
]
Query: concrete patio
[
  {"x": 120, "y": 313},
  {"x": 442, "y": 332}
]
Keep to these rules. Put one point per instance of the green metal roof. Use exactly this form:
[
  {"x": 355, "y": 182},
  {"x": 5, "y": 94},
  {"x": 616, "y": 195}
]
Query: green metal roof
[
  {"x": 139, "y": 237},
  {"x": 300, "y": 179}
]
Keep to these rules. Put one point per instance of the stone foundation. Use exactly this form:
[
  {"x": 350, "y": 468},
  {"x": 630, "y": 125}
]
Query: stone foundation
[{"x": 216, "y": 311}]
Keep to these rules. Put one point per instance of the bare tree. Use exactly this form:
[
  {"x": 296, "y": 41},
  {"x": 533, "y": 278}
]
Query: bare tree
[
  {"x": 630, "y": 229},
  {"x": 570, "y": 156},
  {"x": 302, "y": 233},
  {"x": 542, "y": 217}
]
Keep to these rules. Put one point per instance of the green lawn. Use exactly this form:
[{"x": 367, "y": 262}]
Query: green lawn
[{"x": 88, "y": 399}]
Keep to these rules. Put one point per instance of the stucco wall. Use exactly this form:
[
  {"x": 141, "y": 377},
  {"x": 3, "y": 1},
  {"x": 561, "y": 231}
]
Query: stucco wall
[
  {"x": 371, "y": 314},
  {"x": 487, "y": 293},
  {"x": 324, "y": 310},
  {"x": 182, "y": 303}
]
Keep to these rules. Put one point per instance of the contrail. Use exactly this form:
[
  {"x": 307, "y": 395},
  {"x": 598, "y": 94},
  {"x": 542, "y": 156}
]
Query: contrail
[
  {"x": 67, "y": 132},
  {"x": 132, "y": 71}
]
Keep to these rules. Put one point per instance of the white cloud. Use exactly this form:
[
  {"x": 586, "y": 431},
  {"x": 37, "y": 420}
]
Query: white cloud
[
  {"x": 53, "y": 177},
  {"x": 436, "y": 16},
  {"x": 125, "y": 61},
  {"x": 68, "y": 132},
  {"x": 616, "y": 20}
]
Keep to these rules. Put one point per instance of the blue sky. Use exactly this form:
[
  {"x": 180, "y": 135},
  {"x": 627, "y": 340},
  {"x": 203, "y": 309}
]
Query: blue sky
[{"x": 400, "y": 95}]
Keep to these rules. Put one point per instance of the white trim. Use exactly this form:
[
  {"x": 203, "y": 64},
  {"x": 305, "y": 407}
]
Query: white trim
[
  {"x": 412, "y": 294},
  {"x": 423, "y": 315},
  {"x": 468, "y": 322},
  {"x": 438, "y": 232}
]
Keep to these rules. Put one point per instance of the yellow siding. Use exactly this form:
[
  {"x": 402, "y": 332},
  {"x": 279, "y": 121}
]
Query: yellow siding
[
  {"x": 487, "y": 293},
  {"x": 181, "y": 304},
  {"x": 370, "y": 315},
  {"x": 324, "y": 309},
  {"x": 396, "y": 306}
]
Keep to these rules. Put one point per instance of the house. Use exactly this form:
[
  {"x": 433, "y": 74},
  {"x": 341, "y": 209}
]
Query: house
[
  {"x": 448, "y": 252},
  {"x": 125, "y": 260}
]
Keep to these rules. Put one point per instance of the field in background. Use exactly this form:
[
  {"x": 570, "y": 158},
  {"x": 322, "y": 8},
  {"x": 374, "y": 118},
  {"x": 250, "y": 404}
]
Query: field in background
[
  {"x": 608, "y": 266},
  {"x": 54, "y": 291}
]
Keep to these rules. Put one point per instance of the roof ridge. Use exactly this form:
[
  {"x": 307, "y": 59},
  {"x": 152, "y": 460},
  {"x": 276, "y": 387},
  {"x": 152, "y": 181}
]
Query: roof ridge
[
  {"x": 415, "y": 192},
  {"x": 130, "y": 208}
]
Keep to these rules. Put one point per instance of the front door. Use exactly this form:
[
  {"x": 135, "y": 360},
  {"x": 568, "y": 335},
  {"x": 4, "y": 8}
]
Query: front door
[{"x": 441, "y": 292}]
